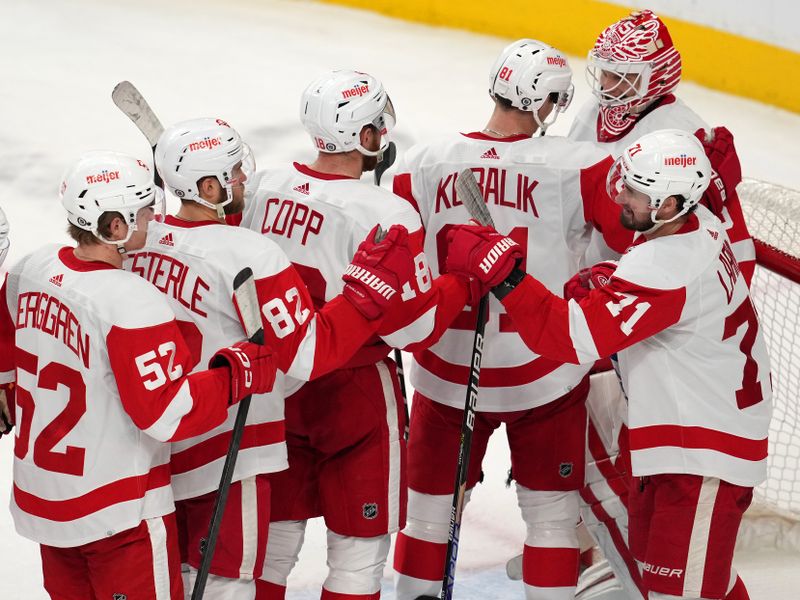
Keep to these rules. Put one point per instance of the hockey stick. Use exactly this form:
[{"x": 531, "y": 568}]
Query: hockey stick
[
  {"x": 386, "y": 161},
  {"x": 131, "y": 102},
  {"x": 244, "y": 292},
  {"x": 471, "y": 196}
]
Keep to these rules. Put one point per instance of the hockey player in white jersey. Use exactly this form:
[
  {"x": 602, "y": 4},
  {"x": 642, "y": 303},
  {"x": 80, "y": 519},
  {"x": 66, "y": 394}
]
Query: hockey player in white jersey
[
  {"x": 547, "y": 193},
  {"x": 633, "y": 70},
  {"x": 692, "y": 361},
  {"x": 346, "y": 455},
  {"x": 192, "y": 257},
  {"x": 102, "y": 374}
]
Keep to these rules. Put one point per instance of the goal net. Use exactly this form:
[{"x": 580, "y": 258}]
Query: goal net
[{"x": 773, "y": 217}]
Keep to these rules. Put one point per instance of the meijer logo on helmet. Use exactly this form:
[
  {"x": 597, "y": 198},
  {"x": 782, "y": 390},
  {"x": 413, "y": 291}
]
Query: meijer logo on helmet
[
  {"x": 205, "y": 144},
  {"x": 680, "y": 161},
  {"x": 103, "y": 177},
  {"x": 557, "y": 61},
  {"x": 358, "y": 89}
]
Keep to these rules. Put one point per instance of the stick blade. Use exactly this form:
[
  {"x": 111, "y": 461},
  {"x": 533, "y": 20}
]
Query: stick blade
[
  {"x": 246, "y": 300},
  {"x": 385, "y": 162},
  {"x": 131, "y": 102},
  {"x": 469, "y": 192}
]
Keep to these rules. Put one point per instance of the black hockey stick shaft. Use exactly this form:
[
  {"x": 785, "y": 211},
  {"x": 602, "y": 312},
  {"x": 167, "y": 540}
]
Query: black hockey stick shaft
[
  {"x": 386, "y": 161},
  {"x": 471, "y": 196},
  {"x": 462, "y": 466},
  {"x": 247, "y": 299}
]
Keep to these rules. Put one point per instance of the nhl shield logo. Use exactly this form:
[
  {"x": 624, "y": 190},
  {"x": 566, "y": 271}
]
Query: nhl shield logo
[
  {"x": 370, "y": 510},
  {"x": 565, "y": 469},
  {"x": 120, "y": 597}
]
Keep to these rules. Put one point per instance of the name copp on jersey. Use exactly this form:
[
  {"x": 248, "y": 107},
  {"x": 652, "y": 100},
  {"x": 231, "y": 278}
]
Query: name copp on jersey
[
  {"x": 194, "y": 264},
  {"x": 692, "y": 356},
  {"x": 319, "y": 219},
  {"x": 669, "y": 113},
  {"x": 100, "y": 366},
  {"x": 545, "y": 193}
]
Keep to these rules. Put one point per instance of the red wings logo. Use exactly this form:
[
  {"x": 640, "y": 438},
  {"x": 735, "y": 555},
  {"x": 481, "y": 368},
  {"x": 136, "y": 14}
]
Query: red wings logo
[{"x": 626, "y": 42}]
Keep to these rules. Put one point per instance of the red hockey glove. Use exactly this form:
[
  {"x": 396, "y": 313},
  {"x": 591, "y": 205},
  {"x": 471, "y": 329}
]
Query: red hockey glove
[
  {"x": 372, "y": 280},
  {"x": 252, "y": 367},
  {"x": 481, "y": 256},
  {"x": 727, "y": 171},
  {"x": 586, "y": 280}
]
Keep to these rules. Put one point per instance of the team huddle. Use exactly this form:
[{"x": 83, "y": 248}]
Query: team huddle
[{"x": 621, "y": 350}]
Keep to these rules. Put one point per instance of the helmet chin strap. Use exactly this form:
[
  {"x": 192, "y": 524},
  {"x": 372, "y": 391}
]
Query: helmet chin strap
[
  {"x": 220, "y": 208},
  {"x": 659, "y": 222}
]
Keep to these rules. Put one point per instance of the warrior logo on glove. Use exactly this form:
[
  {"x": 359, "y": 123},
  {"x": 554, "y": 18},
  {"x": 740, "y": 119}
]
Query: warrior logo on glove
[{"x": 373, "y": 281}]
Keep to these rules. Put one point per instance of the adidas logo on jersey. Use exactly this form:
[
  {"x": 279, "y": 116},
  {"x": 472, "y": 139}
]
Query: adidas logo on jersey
[
  {"x": 166, "y": 240},
  {"x": 490, "y": 153},
  {"x": 57, "y": 279},
  {"x": 303, "y": 189}
]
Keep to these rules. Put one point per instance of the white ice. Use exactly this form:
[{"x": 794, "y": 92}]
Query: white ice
[{"x": 248, "y": 61}]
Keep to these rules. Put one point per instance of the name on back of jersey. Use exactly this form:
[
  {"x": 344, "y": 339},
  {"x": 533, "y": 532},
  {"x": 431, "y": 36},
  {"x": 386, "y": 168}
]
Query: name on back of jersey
[
  {"x": 292, "y": 219},
  {"x": 497, "y": 189},
  {"x": 172, "y": 277},
  {"x": 50, "y": 315}
]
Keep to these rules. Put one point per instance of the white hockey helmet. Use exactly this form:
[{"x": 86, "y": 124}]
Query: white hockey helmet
[
  {"x": 100, "y": 182},
  {"x": 335, "y": 108},
  {"x": 638, "y": 49},
  {"x": 664, "y": 163},
  {"x": 527, "y": 73},
  {"x": 191, "y": 150}
]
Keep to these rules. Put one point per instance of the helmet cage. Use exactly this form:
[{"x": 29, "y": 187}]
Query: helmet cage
[{"x": 632, "y": 84}]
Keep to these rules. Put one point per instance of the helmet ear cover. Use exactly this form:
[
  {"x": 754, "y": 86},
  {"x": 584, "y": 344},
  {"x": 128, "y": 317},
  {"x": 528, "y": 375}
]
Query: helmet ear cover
[{"x": 336, "y": 107}]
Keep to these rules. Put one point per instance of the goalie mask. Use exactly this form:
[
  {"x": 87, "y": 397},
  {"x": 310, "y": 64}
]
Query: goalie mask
[
  {"x": 529, "y": 72},
  {"x": 665, "y": 163},
  {"x": 101, "y": 182},
  {"x": 337, "y": 106},
  {"x": 192, "y": 150},
  {"x": 639, "y": 60}
]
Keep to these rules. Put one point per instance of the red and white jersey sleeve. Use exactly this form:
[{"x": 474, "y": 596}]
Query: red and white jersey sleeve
[
  {"x": 194, "y": 264},
  {"x": 541, "y": 192},
  {"x": 100, "y": 369},
  {"x": 692, "y": 356},
  {"x": 319, "y": 220},
  {"x": 670, "y": 113}
]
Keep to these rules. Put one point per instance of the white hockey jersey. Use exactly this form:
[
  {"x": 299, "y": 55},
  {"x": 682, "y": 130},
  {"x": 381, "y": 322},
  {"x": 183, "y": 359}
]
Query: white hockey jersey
[
  {"x": 546, "y": 193},
  {"x": 692, "y": 356},
  {"x": 194, "y": 264},
  {"x": 669, "y": 113},
  {"x": 319, "y": 219},
  {"x": 100, "y": 367}
]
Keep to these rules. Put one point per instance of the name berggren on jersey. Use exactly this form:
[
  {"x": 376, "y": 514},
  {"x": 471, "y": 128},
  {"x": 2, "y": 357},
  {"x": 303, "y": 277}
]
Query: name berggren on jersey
[
  {"x": 50, "y": 315},
  {"x": 497, "y": 189}
]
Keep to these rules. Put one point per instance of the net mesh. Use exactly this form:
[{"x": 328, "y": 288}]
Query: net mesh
[{"x": 773, "y": 216}]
